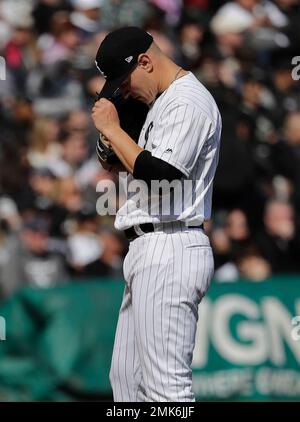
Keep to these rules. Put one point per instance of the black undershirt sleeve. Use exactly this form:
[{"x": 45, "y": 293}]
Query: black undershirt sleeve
[{"x": 149, "y": 168}]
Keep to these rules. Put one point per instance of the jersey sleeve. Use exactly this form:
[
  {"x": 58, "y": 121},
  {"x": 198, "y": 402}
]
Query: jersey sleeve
[{"x": 180, "y": 135}]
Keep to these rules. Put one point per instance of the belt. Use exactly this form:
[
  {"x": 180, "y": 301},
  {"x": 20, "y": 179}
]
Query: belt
[{"x": 131, "y": 233}]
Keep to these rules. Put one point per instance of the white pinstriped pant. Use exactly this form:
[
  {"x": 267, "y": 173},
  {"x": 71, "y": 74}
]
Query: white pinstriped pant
[{"x": 167, "y": 273}]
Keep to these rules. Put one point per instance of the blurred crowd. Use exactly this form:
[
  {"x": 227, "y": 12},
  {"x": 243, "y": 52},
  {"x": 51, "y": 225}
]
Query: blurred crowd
[{"x": 241, "y": 50}]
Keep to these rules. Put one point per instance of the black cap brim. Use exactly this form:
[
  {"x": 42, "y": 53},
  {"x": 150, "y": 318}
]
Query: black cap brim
[{"x": 111, "y": 87}]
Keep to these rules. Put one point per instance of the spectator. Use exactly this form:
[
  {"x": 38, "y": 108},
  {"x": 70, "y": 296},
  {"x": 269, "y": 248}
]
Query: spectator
[
  {"x": 279, "y": 242},
  {"x": 232, "y": 236},
  {"x": 117, "y": 13},
  {"x": 242, "y": 257},
  {"x": 252, "y": 266},
  {"x": 240, "y": 49},
  {"x": 192, "y": 31},
  {"x": 86, "y": 15},
  {"x": 43, "y": 145},
  {"x": 74, "y": 152},
  {"x": 285, "y": 90},
  {"x": 285, "y": 160},
  {"x": 69, "y": 196},
  {"x": 94, "y": 254},
  {"x": 20, "y": 51},
  {"x": 26, "y": 259},
  {"x": 61, "y": 43},
  {"x": 44, "y": 10},
  {"x": 258, "y": 18}
]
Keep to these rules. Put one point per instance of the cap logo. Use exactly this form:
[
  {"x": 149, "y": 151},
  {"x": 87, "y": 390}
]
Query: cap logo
[
  {"x": 128, "y": 59},
  {"x": 102, "y": 73}
]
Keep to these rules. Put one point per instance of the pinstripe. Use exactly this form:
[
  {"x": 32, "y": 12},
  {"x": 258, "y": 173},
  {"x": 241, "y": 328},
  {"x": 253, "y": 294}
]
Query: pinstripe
[
  {"x": 145, "y": 309},
  {"x": 195, "y": 128},
  {"x": 134, "y": 356},
  {"x": 190, "y": 144},
  {"x": 197, "y": 99},
  {"x": 121, "y": 364},
  {"x": 128, "y": 366},
  {"x": 209, "y": 177},
  {"x": 194, "y": 99},
  {"x": 168, "y": 103},
  {"x": 153, "y": 319},
  {"x": 193, "y": 158},
  {"x": 193, "y": 307},
  {"x": 197, "y": 172},
  {"x": 168, "y": 346},
  {"x": 136, "y": 336},
  {"x": 162, "y": 309},
  {"x": 118, "y": 360},
  {"x": 139, "y": 312},
  {"x": 206, "y": 272},
  {"x": 179, "y": 303},
  {"x": 177, "y": 131},
  {"x": 126, "y": 352},
  {"x": 206, "y": 146},
  {"x": 163, "y": 135},
  {"x": 153, "y": 119},
  {"x": 165, "y": 125},
  {"x": 194, "y": 289},
  {"x": 188, "y": 297},
  {"x": 165, "y": 142}
]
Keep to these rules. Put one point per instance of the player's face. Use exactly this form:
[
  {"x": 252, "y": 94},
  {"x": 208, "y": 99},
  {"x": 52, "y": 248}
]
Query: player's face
[{"x": 140, "y": 86}]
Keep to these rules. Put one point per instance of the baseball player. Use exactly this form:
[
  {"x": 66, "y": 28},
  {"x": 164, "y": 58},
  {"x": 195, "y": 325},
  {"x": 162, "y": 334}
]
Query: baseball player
[{"x": 169, "y": 264}]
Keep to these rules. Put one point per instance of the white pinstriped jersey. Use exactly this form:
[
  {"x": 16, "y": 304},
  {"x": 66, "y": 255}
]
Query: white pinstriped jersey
[{"x": 183, "y": 128}]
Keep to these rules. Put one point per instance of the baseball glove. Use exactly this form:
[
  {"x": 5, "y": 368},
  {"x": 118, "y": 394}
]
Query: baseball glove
[{"x": 132, "y": 115}]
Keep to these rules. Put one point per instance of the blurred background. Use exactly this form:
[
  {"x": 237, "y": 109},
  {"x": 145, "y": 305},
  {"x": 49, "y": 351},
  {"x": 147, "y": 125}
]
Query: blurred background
[{"x": 61, "y": 263}]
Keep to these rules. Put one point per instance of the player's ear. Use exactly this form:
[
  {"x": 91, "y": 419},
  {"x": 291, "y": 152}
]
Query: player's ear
[{"x": 145, "y": 62}]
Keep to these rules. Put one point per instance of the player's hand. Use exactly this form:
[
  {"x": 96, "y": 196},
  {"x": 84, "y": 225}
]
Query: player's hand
[{"x": 105, "y": 116}]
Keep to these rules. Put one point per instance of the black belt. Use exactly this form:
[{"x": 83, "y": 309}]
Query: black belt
[{"x": 148, "y": 228}]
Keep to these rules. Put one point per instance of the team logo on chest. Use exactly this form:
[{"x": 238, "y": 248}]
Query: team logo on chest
[{"x": 147, "y": 133}]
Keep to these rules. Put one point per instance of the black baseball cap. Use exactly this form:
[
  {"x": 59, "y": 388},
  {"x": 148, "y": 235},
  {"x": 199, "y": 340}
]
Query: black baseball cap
[{"x": 118, "y": 54}]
